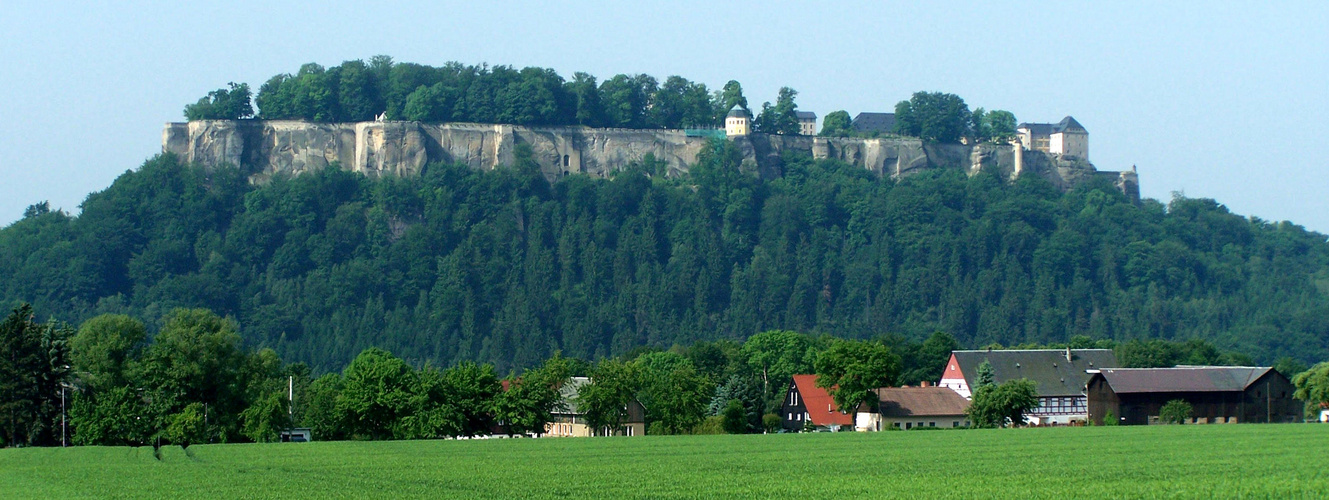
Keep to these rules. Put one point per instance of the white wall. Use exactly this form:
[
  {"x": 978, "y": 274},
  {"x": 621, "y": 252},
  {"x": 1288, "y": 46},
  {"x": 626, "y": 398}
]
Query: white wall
[{"x": 1070, "y": 144}]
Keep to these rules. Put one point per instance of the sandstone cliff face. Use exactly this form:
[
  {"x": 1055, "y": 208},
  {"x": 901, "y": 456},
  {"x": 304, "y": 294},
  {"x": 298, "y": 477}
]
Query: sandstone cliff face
[{"x": 267, "y": 148}]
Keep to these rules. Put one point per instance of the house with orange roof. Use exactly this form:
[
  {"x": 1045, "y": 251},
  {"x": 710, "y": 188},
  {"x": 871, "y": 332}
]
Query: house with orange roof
[{"x": 806, "y": 405}]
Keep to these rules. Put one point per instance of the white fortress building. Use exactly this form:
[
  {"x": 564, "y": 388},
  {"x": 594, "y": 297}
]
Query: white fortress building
[
  {"x": 738, "y": 122},
  {"x": 1066, "y": 138}
]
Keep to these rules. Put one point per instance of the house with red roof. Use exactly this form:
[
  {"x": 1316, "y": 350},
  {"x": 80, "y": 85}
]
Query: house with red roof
[{"x": 806, "y": 404}]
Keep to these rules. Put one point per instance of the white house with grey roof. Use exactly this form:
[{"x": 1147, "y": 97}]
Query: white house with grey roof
[
  {"x": 1067, "y": 138},
  {"x": 1059, "y": 376},
  {"x": 807, "y": 122}
]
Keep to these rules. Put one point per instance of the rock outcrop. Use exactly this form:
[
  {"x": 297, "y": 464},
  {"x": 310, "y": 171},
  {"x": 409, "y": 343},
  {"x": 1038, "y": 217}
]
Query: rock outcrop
[{"x": 267, "y": 148}]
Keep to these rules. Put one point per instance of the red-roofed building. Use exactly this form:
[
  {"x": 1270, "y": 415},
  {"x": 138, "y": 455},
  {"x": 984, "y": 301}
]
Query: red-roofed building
[{"x": 805, "y": 402}]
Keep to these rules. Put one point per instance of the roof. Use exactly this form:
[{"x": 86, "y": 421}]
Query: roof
[
  {"x": 1184, "y": 378},
  {"x": 820, "y": 405},
  {"x": 920, "y": 402},
  {"x": 806, "y": 115},
  {"x": 569, "y": 392},
  {"x": 874, "y": 122},
  {"x": 1048, "y": 368},
  {"x": 1036, "y": 128},
  {"x": 1066, "y": 124},
  {"x": 1069, "y": 124},
  {"x": 737, "y": 110}
]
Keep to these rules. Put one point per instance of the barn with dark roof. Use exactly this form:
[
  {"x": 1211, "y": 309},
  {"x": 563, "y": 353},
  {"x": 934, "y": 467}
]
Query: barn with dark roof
[{"x": 1217, "y": 394}]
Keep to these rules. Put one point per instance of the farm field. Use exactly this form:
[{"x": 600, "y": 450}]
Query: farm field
[{"x": 1261, "y": 461}]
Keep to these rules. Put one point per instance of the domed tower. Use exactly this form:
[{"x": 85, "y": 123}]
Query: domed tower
[{"x": 737, "y": 122}]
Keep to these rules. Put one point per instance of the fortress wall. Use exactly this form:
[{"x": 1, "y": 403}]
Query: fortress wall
[{"x": 266, "y": 148}]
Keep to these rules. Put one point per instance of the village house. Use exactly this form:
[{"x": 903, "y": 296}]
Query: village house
[
  {"x": 1059, "y": 375},
  {"x": 1217, "y": 394},
  {"x": 807, "y": 123},
  {"x": 806, "y": 405},
  {"x": 1067, "y": 138},
  {"x": 913, "y": 407},
  {"x": 570, "y": 421}
]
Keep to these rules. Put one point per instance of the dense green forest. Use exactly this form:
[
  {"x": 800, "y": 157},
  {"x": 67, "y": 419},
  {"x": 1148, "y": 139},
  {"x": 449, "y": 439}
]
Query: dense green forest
[{"x": 503, "y": 267}]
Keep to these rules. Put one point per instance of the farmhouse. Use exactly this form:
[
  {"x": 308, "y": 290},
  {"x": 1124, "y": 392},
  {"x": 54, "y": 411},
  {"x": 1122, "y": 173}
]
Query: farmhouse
[
  {"x": 1217, "y": 394},
  {"x": 805, "y": 404},
  {"x": 1059, "y": 374},
  {"x": 913, "y": 407},
  {"x": 570, "y": 421}
]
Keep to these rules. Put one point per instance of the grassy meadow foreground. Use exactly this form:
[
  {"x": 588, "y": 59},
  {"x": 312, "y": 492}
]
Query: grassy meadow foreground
[{"x": 1280, "y": 461}]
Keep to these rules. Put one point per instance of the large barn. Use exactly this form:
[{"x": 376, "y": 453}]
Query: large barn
[
  {"x": 1059, "y": 375},
  {"x": 1217, "y": 394}
]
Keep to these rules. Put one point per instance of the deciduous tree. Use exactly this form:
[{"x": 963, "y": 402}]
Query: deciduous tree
[
  {"x": 836, "y": 124},
  {"x": 850, "y": 369}
]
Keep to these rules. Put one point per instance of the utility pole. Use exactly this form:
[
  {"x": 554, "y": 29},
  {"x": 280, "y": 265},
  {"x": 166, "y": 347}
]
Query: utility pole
[
  {"x": 290, "y": 400},
  {"x": 64, "y": 427}
]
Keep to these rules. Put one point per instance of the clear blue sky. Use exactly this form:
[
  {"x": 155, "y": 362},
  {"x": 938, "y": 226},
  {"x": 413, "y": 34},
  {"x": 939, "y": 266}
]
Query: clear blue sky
[{"x": 1222, "y": 101}]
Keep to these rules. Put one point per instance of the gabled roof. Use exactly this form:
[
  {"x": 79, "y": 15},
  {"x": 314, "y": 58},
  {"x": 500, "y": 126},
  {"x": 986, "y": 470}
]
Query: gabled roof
[
  {"x": 737, "y": 110},
  {"x": 806, "y": 115},
  {"x": 874, "y": 122},
  {"x": 1184, "y": 378},
  {"x": 1049, "y": 368},
  {"x": 820, "y": 405},
  {"x": 1036, "y": 128},
  {"x": 1066, "y": 124},
  {"x": 569, "y": 392},
  {"x": 919, "y": 402}
]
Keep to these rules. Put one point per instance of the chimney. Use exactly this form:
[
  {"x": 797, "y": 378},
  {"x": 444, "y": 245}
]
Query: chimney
[{"x": 1068, "y": 355}]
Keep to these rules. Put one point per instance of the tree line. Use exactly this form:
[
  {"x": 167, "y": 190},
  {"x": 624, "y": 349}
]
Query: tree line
[
  {"x": 357, "y": 91},
  {"x": 933, "y": 117},
  {"x": 110, "y": 383}
]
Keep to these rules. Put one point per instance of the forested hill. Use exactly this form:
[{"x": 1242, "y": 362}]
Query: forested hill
[{"x": 501, "y": 266}]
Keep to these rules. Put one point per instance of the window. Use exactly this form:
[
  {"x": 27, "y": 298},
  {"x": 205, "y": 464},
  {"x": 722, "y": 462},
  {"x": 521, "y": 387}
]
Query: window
[
  {"x": 932, "y": 424},
  {"x": 955, "y": 424},
  {"x": 565, "y": 160}
]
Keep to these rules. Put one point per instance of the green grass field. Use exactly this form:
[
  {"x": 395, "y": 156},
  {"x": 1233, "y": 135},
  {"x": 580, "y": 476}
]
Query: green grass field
[{"x": 1251, "y": 461}]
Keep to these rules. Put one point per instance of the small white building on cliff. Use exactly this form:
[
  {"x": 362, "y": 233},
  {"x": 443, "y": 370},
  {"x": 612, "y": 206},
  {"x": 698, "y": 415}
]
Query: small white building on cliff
[
  {"x": 1066, "y": 138},
  {"x": 737, "y": 122}
]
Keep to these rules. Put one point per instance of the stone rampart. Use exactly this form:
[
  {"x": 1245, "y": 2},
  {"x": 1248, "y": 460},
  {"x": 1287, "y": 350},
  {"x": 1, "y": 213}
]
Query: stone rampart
[{"x": 267, "y": 148}]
